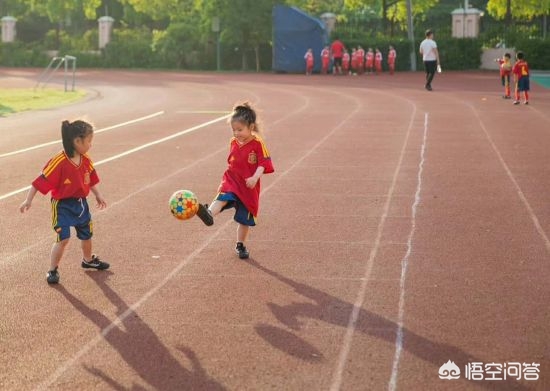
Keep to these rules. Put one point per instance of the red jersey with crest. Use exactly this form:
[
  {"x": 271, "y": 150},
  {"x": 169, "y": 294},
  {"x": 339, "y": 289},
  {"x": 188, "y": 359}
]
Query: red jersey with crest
[
  {"x": 242, "y": 162},
  {"x": 65, "y": 179}
]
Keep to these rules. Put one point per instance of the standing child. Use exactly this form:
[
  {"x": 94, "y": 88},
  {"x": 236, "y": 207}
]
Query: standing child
[
  {"x": 309, "y": 61},
  {"x": 521, "y": 78},
  {"x": 369, "y": 61},
  {"x": 505, "y": 66},
  {"x": 360, "y": 60},
  {"x": 378, "y": 61},
  {"x": 70, "y": 175},
  {"x": 392, "y": 55},
  {"x": 354, "y": 61},
  {"x": 325, "y": 60},
  {"x": 345, "y": 62},
  {"x": 240, "y": 187}
]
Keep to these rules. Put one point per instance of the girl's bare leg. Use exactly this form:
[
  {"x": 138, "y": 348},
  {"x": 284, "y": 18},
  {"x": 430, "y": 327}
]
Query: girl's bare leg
[
  {"x": 58, "y": 249},
  {"x": 86, "y": 249}
]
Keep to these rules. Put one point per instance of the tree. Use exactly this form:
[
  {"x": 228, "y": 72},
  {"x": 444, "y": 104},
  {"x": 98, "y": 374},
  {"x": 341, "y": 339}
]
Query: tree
[
  {"x": 245, "y": 23},
  {"x": 517, "y": 9}
]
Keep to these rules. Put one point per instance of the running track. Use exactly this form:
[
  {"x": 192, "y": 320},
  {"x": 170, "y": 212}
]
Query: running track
[{"x": 402, "y": 229}]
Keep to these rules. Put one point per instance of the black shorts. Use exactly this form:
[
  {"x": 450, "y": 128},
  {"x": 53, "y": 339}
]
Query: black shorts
[{"x": 337, "y": 61}]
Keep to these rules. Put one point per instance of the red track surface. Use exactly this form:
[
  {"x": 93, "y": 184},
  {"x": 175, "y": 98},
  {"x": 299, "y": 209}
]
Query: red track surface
[{"x": 402, "y": 229}]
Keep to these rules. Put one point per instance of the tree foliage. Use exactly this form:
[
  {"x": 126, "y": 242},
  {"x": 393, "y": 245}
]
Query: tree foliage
[{"x": 519, "y": 9}]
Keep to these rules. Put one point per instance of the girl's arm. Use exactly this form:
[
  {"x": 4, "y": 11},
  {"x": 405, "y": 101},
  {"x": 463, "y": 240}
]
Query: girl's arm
[
  {"x": 101, "y": 203},
  {"x": 251, "y": 182},
  {"x": 28, "y": 201}
]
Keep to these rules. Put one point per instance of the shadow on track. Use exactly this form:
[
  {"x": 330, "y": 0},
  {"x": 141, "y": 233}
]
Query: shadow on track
[{"x": 140, "y": 347}]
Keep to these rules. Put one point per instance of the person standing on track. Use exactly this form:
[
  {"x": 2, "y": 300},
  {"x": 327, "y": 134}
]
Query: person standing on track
[
  {"x": 430, "y": 56},
  {"x": 337, "y": 49},
  {"x": 392, "y": 55},
  {"x": 521, "y": 78},
  {"x": 369, "y": 61},
  {"x": 248, "y": 160},
  {"x": 378, "y": 61},
  {"x": 505, "y": 66},
  {"x": 325, "y": 60},
  {"x": 70, "y": 176},
  {"x": 309, "y": 61}
]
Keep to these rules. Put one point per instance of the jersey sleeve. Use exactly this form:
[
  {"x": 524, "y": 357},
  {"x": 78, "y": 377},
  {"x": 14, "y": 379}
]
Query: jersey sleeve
[
  {"x": 264, "y": 159},
  {"x": 50, "y": 176}
]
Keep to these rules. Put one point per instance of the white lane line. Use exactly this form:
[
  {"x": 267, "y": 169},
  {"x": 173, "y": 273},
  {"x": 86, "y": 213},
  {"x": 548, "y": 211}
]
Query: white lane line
[
  {"x": 405, "y": 265},
  {"x": 519, "y": 192},
  {"x": 95, "y": 131},
  {"x": 352, "y": 323},
  {"x": 133, "y": 150},
  {"x": 120, "y": 319}
]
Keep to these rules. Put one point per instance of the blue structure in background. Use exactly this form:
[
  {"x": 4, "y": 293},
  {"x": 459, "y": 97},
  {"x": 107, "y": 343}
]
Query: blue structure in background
[{"x": 294, "y": 32}]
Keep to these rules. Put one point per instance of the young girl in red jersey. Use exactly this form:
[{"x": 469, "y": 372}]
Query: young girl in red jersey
[
  {"x": 248, "y": 160},
  {"x": 70, "y": 175}
]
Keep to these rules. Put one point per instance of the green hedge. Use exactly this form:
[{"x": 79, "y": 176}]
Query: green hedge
[{"x": 169, "y": 49}]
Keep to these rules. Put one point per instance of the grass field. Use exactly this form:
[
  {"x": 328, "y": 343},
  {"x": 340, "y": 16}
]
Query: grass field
[{"x": 14, "y": 100}]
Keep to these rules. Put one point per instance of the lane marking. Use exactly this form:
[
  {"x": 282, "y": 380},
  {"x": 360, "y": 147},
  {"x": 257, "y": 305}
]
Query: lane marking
[
  {"x": 95, "y": 131},
  {"x": 203, "y": 112},
  {"x": 352, "y": 323},
  {"x": 405, "y": 264},
  {"x": 510, "y": 175},
  {"x": 133, "y": 150}
]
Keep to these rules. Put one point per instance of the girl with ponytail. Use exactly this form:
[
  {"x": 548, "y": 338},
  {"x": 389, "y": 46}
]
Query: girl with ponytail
[{"x": 70, "y": 176}]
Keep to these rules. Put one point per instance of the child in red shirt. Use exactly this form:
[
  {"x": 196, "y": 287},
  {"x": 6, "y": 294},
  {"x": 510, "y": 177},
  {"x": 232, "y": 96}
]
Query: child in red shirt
[
  {"x": 70, "y": 176},
  {"x": 521, "y": 77},
  {"x": 505, "y": 66},
  {"x": 378, "y": 61},
  {"x": 392, "y": 55},
  {"x": 369, "y": 63},
  {"x": 345, "y": 62},
  {"x": 325, "y": 60},
  {"x": 309, "y": 61},
  {"x": 248, "y": 160}
]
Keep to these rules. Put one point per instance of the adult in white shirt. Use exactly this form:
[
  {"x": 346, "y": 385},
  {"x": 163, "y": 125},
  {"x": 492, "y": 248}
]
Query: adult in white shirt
[{"x": 430, "y": 56}]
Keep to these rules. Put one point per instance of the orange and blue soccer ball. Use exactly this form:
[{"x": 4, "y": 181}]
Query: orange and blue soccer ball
[{"x": 183, "y": 204}]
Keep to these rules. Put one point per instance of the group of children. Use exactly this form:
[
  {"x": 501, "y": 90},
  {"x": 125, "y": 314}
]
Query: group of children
[
  {"x": 357, "y": 62},
  {"x": 520, "y": 71},
  {"x": 70, "y": 176}
]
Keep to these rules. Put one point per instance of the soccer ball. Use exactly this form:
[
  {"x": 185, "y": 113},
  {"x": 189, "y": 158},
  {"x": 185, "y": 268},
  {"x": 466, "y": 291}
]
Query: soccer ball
[{"x": 183, "y": 204}]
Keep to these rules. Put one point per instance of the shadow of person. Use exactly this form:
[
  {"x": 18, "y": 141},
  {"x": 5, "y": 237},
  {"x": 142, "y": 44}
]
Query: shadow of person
[
  {"x": 333, "y": 310},
  {"x": 139, "y": 346}
]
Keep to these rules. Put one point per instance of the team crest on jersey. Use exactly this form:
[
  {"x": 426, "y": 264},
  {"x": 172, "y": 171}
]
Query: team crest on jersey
[
  {"x": 252, "y": 158},
  {"x": 87, "y": 178}
]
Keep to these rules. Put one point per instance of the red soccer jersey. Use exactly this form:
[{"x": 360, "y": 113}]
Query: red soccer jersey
[
  {"x": 345, "y": 61},
  {"x": 65, "y": 179},
  {"x": 337, "y": 49},
  {"x": 309, "y": 59},
  {"x": 370, "y": 59},
  {"x": 391, "y": 56},
  {"x": 243, "y": 160},
  {"x": 521, "y": 69}
]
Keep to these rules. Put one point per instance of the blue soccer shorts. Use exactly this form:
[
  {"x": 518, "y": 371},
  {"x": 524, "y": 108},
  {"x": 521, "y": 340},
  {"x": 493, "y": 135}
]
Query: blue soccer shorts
[
  {"x": 242, "y": 215},
  {"x": 71, "y": 212}
]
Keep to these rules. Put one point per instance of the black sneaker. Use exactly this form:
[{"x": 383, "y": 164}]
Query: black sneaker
[
  {"x": 242, "y": 251},
  {"x": 53, "y": 276},
  {"x": 205, "y": 215},
  {"x": 95, "y": 263}
]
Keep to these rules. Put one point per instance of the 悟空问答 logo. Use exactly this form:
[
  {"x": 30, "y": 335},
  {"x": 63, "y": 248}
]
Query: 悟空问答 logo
[{"x": 449, "y": 371}]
